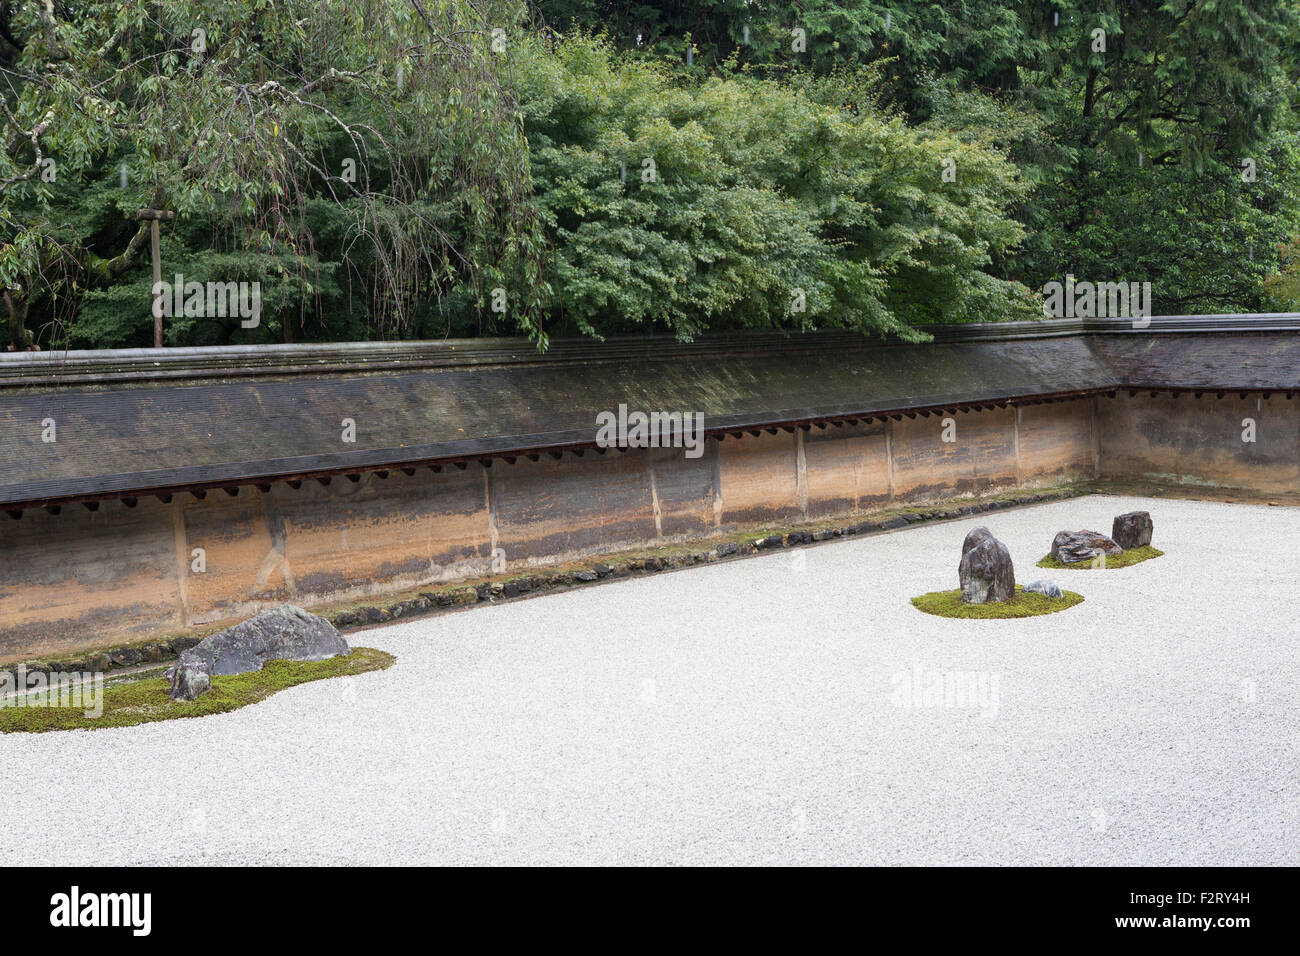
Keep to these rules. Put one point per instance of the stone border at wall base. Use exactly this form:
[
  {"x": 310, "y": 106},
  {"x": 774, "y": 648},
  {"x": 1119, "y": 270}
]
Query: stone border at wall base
[
  {"x": 428, "y": 600},
  {"x": 653, "y": 560}
]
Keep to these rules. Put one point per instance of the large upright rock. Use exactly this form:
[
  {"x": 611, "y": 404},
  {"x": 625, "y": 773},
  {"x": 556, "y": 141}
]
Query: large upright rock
[
  {"x": 1071, "y": 547},
  {"x": 1132, "y": 529},
  {"x": 985, "y": 570},
  {"x": 284, "y": 633}
]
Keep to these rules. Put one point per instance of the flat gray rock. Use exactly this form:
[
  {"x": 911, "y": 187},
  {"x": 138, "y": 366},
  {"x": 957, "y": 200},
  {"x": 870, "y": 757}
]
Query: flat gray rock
[
  {"x": 283, "y": 633},
  {"x": 1071, "y": 547},
  {"x": 1132, "y": 529},
  {"x": 985, "y": 570},
  {"x": 1044, "y": 587}
]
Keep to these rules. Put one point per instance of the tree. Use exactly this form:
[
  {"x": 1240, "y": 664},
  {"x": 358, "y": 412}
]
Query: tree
[
  {"x": 742, "y": 203},
  {"x": 388, "y": 130}
]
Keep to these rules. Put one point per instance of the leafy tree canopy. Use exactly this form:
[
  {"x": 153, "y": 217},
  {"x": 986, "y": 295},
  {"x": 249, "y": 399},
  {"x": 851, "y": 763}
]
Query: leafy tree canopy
[{"x": 420, "y": 168}]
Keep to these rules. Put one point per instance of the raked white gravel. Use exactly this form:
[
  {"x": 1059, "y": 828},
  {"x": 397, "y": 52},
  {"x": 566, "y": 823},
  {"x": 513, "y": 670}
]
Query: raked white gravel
[{"x": 751, "y": 711}]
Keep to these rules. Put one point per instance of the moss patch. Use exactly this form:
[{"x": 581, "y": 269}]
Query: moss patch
[
  {"x": 1123, "y": 560},
  {"x": 1021, "y": 604},
  {"x": 127, "y": 703}
]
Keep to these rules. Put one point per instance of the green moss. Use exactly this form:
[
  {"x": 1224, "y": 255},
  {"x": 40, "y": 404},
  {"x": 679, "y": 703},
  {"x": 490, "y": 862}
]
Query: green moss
[
  {"x": 142, "y": 701},
  {"x": 1129, "y": 557},
  {"x": 1021, "y": 604}
]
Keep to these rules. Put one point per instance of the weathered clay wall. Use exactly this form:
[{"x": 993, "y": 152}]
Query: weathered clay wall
[
  {"x": 85, "y": 579},
  {"x": 82, "y": 579},
  {"x": 1202, "y": 442}
]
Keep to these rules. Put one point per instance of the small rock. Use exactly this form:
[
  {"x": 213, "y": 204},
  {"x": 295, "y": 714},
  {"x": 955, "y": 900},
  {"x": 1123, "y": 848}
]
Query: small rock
[
  {"x": 190, "y": 681},
  {"x": 1071, "y": 547},
  {"x": 726, "y": 548},
  {"x": 125, "y": 656},
  {"x": 892, "y": 523},
  {"x": 465, "y": 595},
  {"x": 1045, "y": 588},
  {"x": 985, "y": 571},
  {"x": 1132, "y": 529},
  {"x": 585, "y": 576}
]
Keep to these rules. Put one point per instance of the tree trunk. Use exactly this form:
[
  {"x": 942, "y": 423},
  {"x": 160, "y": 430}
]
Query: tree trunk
[{"x": 20, "y": 339}]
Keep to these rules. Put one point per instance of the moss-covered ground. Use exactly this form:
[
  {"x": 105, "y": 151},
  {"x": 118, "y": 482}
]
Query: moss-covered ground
[
  {"x": 1021, "y": 604},
  {"x": 126, "y": 703},
  {"x": 1122, "y": 560}
]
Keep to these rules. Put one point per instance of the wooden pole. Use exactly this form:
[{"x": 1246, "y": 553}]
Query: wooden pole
[
  {"x": 154, "y": 216},
  {"x": 157, "y": 278}
]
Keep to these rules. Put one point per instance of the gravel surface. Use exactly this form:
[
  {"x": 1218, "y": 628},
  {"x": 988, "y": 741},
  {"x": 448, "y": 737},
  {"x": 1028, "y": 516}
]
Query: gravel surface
[{"x": 754, "y": 711}]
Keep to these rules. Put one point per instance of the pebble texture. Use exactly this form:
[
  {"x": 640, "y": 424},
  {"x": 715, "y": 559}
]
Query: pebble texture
[{"x": 757, "y": 711}]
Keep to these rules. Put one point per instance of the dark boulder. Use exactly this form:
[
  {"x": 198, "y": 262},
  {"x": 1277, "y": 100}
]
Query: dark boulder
[
  {"x": 975, "y": 537},
  {"x": 1132, "y": 529},
  {"x": 284, "y": 633},
  {"x": 1071, "y": 547},
  {"x": 985, "y": 571}
]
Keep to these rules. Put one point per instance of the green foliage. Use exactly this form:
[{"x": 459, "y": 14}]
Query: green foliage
[
  {"x": 1134, "y": 151},
  {"x": 740, "y": 203},
  {"x": 1158, "y": 129},
  {"x": 361, "y": 159},
  {"x": 131, "y": 702},
  {"x": 797, "y": 161}
]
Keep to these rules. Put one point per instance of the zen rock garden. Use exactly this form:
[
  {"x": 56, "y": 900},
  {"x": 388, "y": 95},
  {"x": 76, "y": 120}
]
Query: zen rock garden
[
  {"x": 284, "y": 633},
  {"x": 1129, "y": 543},
  {"x": 988, "y": 581}
]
